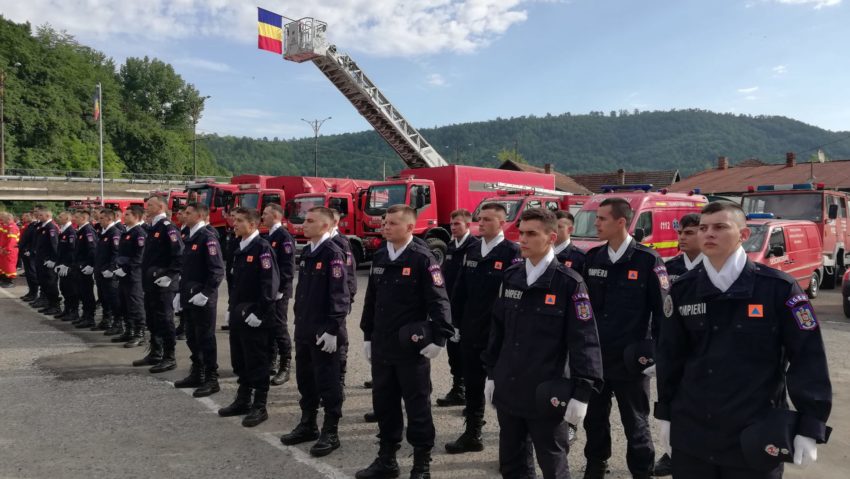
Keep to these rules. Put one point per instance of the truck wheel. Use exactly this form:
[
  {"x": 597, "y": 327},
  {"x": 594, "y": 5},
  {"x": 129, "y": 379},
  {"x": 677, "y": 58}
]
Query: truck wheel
[
  {"x": 438, "y": 248},
  {"x": 829, "y": 279},
  {"x": 813, "y": 289}
]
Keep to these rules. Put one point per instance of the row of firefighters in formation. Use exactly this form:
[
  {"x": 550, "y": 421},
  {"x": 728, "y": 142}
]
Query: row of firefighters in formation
[{"x": 546, "y": 333}]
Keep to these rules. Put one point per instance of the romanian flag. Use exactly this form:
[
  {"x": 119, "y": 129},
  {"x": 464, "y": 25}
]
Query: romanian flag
[
  {"x": 96, "y": 100},
  {"x": 270, "y": 29}
]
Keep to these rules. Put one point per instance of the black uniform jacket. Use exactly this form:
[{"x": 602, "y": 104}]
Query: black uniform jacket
[
  {"x": 535, "y": 329},
  {"x": 453, "y": 262},
  {"x": 350, "y": 266},
  {"x": 573, "y": 257},
  {"x": 131, "y": 247},
  {"x": 321, "y": 299},
  {"x": 256, "y": 281},
  {"x": 477, "y": 287},
  {"x": 725, "y": 359},
  {"x": 676, "y": 267},
  {"x": 27, "y": 242},
  {"x": 47, "y": 242},
  {"x": 410, "y": 289},
  {"x": 202, "y": 264},
  {"x": 107, "y": 248},
  {"x": 67, "y": 246},
  {"x": 163, "y": 250},
  {"x": 86, "y": 246},
  {"x": 283, "y": 247},
  {"x": 628, "y": 296}
]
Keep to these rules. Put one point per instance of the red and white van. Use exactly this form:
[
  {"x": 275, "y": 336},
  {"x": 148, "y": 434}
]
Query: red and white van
[{"x": 792, "y": 246}]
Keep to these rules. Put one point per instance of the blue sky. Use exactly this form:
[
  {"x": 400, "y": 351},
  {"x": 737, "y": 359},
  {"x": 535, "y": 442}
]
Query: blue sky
[{"x": 447, "y": 61}]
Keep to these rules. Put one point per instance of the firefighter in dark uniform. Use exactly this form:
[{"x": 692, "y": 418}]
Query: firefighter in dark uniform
[
  {"x": 128, "y": 270},
  {"x": 84, "y": 267},
  {"x": 406, "y": 290},
  {"x": 180, "y": 222},
  {"x": 27, "y": 246},
  {"x": 253, "y": 289},
  {"x": 351, "y": 278},
  {"x": 229, "y": 245},
  {"x": 47, "y": 255},
  {"x": 161, "y": 266},
  {"x": 462, "y": 242},
  {"x": 741, "y": 339},
  {"x": 322, "y": 302},
  {"x": 566, "y": 251},
  {"x": 475, "y": 290},
  {"x": 65, "y": 268},
  {"x": 283, "y": 247},
  {"x": 541, "y": 318},
  {"x": 200, "y": 278},
  {"x": 104, "y": 263},
  {"x": 628, "y": 285}
]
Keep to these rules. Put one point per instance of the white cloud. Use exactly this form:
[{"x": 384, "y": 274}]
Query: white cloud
[
  {"x": 751, "y": 97},
  {"x": 381, "y": 27},
  {"x": 751, "y": 89},
  {"x": 818, "y": 4},
  {"x": 435, "y": 79},
  {"x": 780, "y": 70},
  {"x": 202, "y": 64}
]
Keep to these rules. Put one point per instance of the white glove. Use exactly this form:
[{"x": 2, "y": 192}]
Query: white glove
[
  {"x": 253, "y": 321},
  {"x": 664, "y": 436},
  {"x": 805, "y": 451},
  {"x": 650, "y": 371},
  {"x": 120, "y": 273},
  {"x": 431, "y": 351},
  {"x": 489, "y": 388},
  {"x": 57, "y": 268},
  {"x": 367, "y": 350},
  {"x": 163, "y": 282},
  {"x": 278, "y": 296},
  {"x": 87, "y": 270},
  {"x": 329, "y": 343},
  {"x": 49, "y": 263},
  {"x": 455, "y": 337},
  {"x": 63, "y": 270},
  {"x": 576, "y": 410},
  {"x": 107, "y": 274},
  {"x": 176, "y": 303},
  {"x": 199, "y": 300},
  {"x": 26, "y": 253}
]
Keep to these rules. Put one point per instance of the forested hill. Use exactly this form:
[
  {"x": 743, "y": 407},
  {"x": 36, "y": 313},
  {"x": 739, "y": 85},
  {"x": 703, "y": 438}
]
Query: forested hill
[{"x": 689, "y": 140}]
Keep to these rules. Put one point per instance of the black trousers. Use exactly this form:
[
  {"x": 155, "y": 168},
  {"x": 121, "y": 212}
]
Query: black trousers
[
  {"x": 249, "y": 356},
  {"x": 282, "y": 338},
  {"x": 107, "y": 292},
  {"x": 317, "y": 375},
  {"x": 159, "y": 314},
  {"x": 85, "y": 290},
  {"x": 409, "y": 381},
  {"x": 69, "y": 286},
  {"x": 474, "y": 377},
  {"x": 686, "y": 466},
  {"x": 633, "y": 401},
  {"x": 49, "y": 283},
  {"x": 31, "y": 273},
  {"x": 132, "y": 302},
  {"x": 200, "y": 334},
  {"x": 455, "y": 359},
  {"x": 547, "y": 437}
]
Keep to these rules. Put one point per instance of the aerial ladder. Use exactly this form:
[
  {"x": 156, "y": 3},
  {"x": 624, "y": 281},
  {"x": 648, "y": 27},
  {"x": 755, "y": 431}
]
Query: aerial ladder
[{"x": 305, "y": 40}]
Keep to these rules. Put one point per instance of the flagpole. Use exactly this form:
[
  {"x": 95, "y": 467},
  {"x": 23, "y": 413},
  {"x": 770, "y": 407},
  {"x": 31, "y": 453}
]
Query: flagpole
[{"x": 100, "y": 115}]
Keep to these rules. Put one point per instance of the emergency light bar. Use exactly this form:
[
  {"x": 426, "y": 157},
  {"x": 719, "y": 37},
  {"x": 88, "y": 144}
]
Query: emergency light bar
[
  {"x": 787, "y": 187},
  {"x": 760, "y": 216},
  {"x": 613, "y": 188},
  {"x": 508, "y": 188}
]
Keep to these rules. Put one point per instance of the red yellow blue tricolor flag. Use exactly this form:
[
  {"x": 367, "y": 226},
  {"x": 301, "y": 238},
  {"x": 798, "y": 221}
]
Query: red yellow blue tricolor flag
[
  {"x": 96, "y": 99},
  {"x": 270, "y": 29}
]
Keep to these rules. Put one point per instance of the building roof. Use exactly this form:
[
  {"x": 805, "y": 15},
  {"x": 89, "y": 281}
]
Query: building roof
[
  {"x": 562, "y": 181},
  {"x": 659, "y": 179},
  {"x": 736, "y": 179}
]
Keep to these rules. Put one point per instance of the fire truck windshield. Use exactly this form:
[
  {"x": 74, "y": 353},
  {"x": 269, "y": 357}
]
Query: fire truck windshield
[
  {"x": 247, "y": 200},
  {"x": 756, "y": 240},
  {"x": 512, "y": 206},
  {"x": 382, "y": 197},
  {"x": 585, "y": 224},
  {"x": 795, "y": 206},
  {"x": 201, "y": 195},
  {"x": 302, "y": 205}
]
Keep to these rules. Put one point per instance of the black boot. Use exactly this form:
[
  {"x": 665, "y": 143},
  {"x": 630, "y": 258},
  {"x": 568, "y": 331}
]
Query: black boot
[
  {"x": 154, "y": 355},
  {"x": 86, "y": 321},
  {"x": 282, "y": 376},
  {"x": 456, "y": 395},
  {"x": 305, "y": 431},
  {"x": 73, "y": 316},
  {"x": 370, "y": 417},
  {"x": 210, "y": 385},
  {"x": 168, "y": 361},
  {"x": 470, "y": 440},
  {"x": 596, "y": 470},
  {"x": 50, "y": 310},
  {"x": 384, "y": 466},
  {"x": 241, "y": 405},
  {"x": 115, "y": 328},
  {"x": 275, "y": 365},
  {"x": 30, "y": 296},
  {"x": 195, "y": 379},
  {"x": 61, "y": 314},
  {"x": 39, "y": 302},
  {"x": 104, "y": 323},
  {"x": 329, "y": 438},
  {"x": 125, "y": 336},
  {"x": 664, "y": 466},
  {"x": 138, "y": 338},
  {"x": 257, "y": 414},
  {"x": 421, "y": 463}
]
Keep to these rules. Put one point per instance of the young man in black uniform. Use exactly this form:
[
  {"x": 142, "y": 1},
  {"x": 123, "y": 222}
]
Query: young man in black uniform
[
  {"x": 84, "y": 257},
  {"x": 628, "y": 285},
  {"x": 741, "y": 339},
  {"x": 128, "y": 270},
  {"x": 568, "y": 253},
  {"x": 104, "y": 264},
  {"x": 462, "y": 242},
  {"x": 475, "y": 290},
  {"x": 180, "y": 222},
  {"x": 47, "y": 254},
  {"x": 65, "y": 268},
  {"x": 202, "y": 273},
  {"x": 321, "y": 305},
  {"x": 253, "y": 289},
  {"x": 161, "y": 266},
  {"x": 541, "y": 318},
  {"x": 26, "y": 245},
  {"x": 283, "y": 247},
  {"x": 229, "y": 245},
  {"x": 351, "y": 278}
]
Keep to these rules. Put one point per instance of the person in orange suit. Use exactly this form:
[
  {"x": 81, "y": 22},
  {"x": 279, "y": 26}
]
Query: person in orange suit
[{"x": 9, "y": 236}]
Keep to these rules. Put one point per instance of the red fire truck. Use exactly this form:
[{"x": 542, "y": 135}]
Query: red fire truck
[
  {"x": 341, "y": 196},
  {"x": 217, "y": 196}
]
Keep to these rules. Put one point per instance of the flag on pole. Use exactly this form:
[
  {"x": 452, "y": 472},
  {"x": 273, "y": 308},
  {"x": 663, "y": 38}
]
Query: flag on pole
[
  {"x": 270, "y": 29},
  {"x": 96, "y": 100}
]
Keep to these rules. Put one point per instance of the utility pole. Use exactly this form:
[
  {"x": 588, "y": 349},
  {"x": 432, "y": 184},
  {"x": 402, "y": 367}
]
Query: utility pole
[
  {"x": 195, "y": 111},
  {"x": 316, "y": 125}
]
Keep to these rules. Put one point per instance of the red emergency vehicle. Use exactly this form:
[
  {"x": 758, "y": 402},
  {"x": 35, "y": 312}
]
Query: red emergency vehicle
[
  {"x": 792, "y": 246},
  {"x": 341, "y": 196},
  {"x": 217, "y": 196}
]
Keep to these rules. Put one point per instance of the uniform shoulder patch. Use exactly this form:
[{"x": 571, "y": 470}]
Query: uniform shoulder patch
[
  {"x": 212, "y": 248},
  {"x": 266, "y": 260},
  {"x": 663, "y": 278},
  {"x": 287, "y": 247},
  {"x": 805, "y": 316},
  {"x": 140, "y": 240},
  {"x": 584, "y": 311},
  {"x": 436, "y": 275},
  {"x": 517, "y": 260},
  {"x": 336, "y": 268},
  {"x": 797, "y": 299},
  {"x": 668, "y": 306},
  {"x": 172, "y": 234}
]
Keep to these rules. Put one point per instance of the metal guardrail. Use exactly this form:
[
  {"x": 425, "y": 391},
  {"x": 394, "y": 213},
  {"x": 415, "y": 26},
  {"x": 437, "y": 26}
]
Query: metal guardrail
[{"x": 69, "y": 176}]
